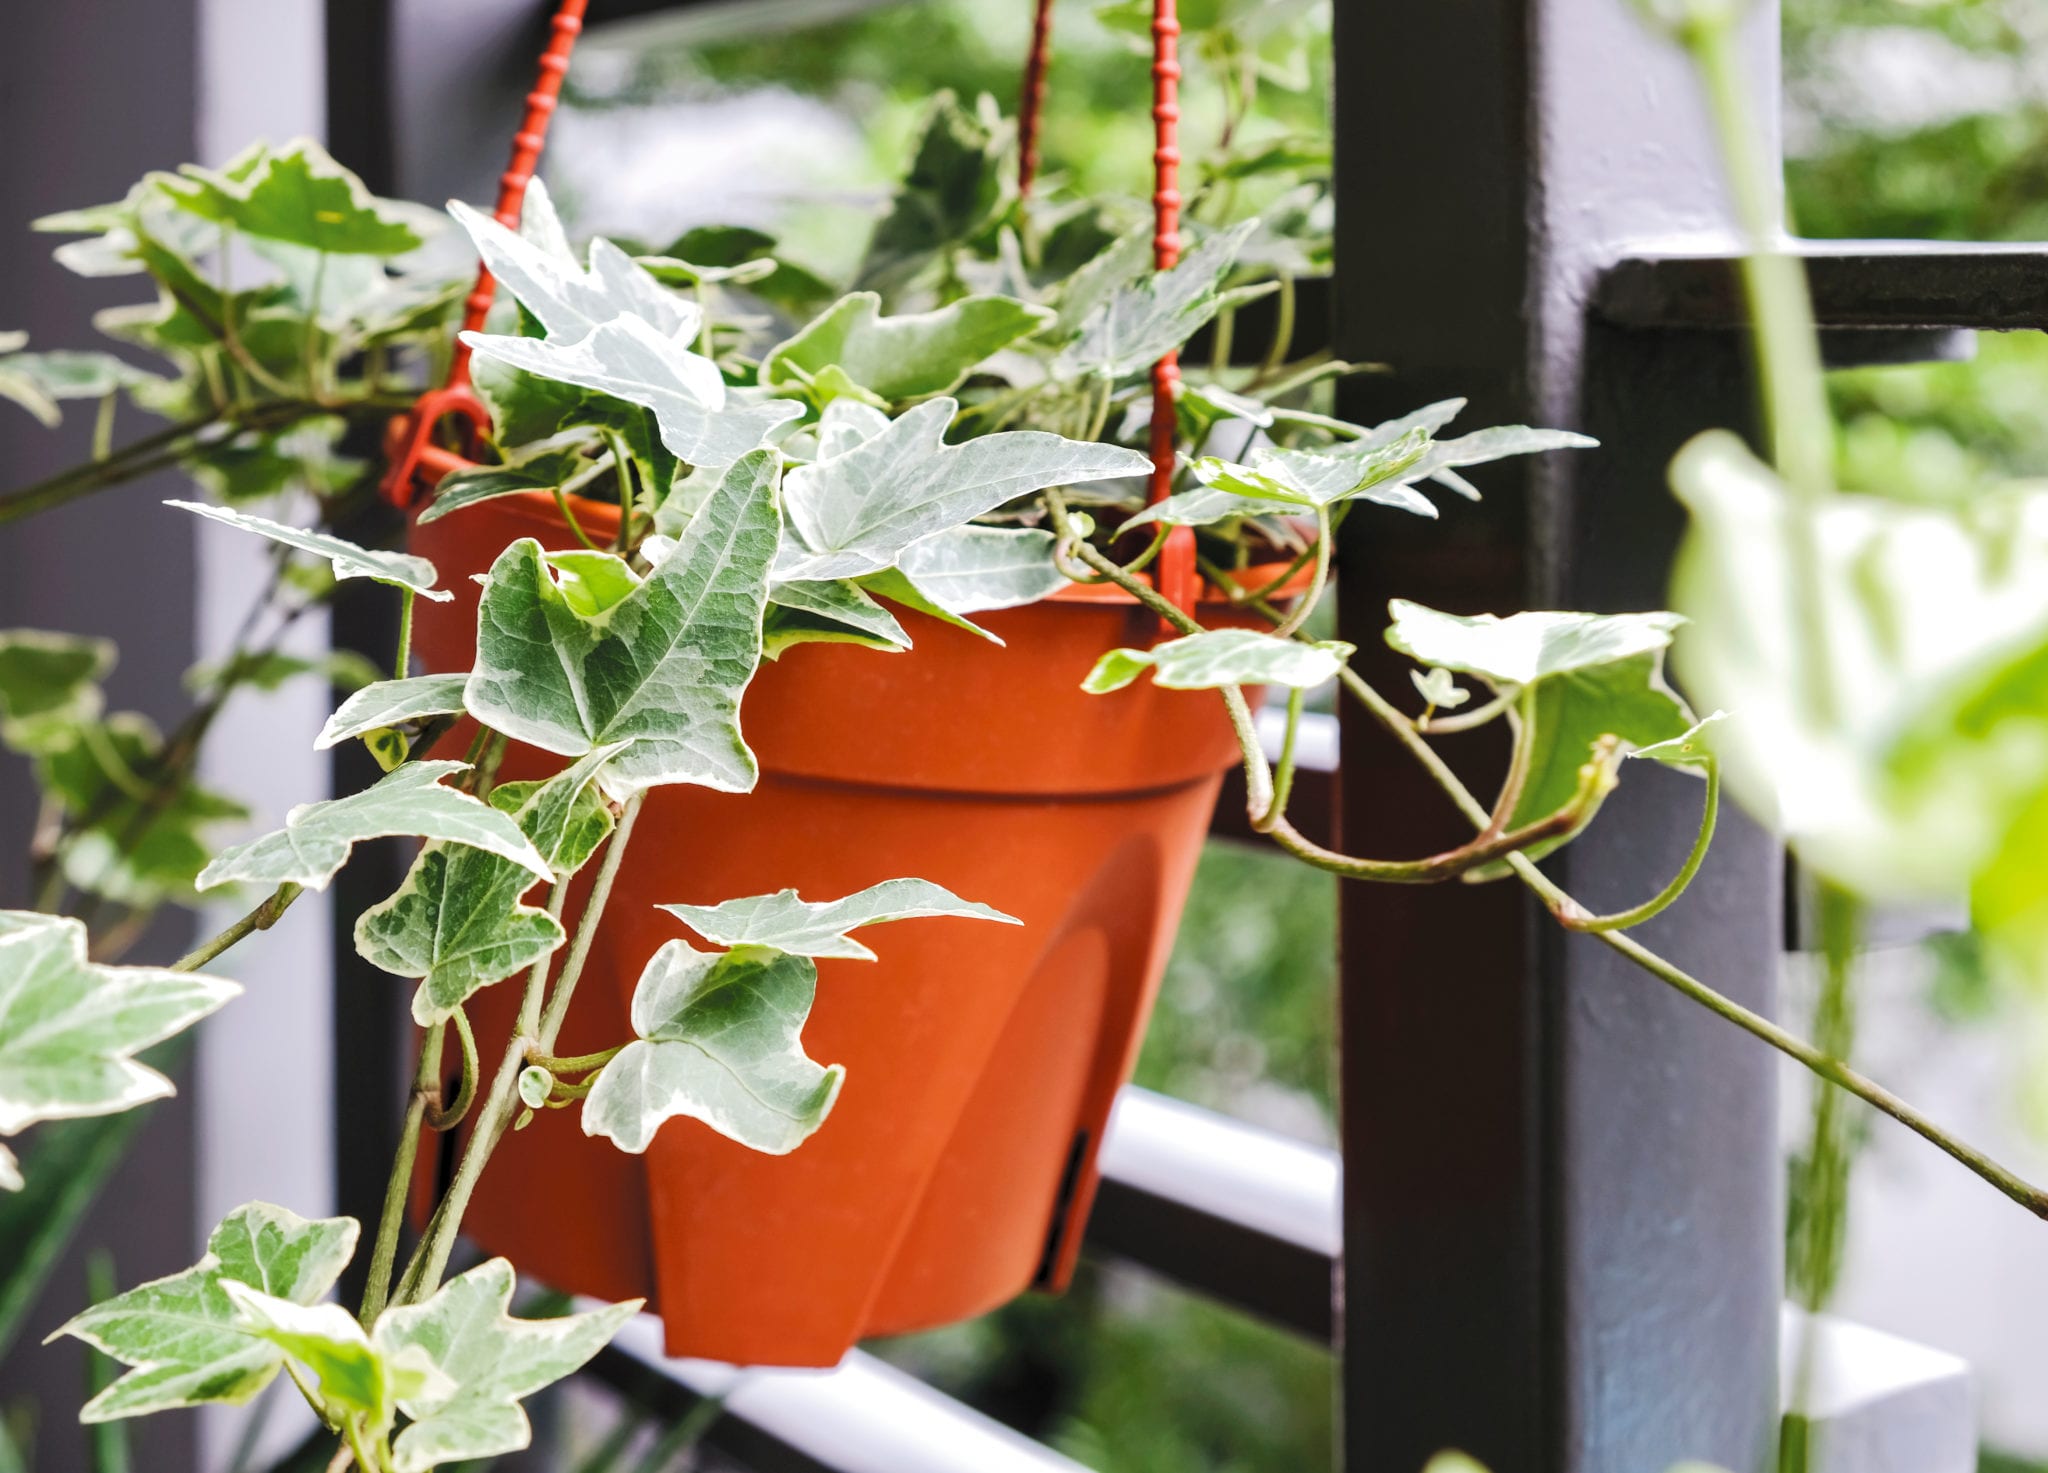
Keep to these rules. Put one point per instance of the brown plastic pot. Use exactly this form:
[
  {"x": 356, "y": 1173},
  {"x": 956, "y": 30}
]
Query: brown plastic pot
[{"x": 959, "y": 1165}]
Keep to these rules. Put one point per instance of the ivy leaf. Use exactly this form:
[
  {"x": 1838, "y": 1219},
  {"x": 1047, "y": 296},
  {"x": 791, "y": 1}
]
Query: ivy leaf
[
  {"x": 956, "y": 187},
  {"x": 1524, "y": 648},
  {"x": 1584, "y": 676},
  {"x": 132, "y": 844},
  {"x": 1138, "y": 322},
  {"x": 49, "y": 686},
  {"x": 456, "y": 922},
  {"x": 487, "y": 1363},
  {"x": 392, "y": 703},
  {"x": 631, "y": 359},
  {"x": 1690, "y": 749},
  {"x": 40, "y": 382},
  {"x": 546, "y": 466},
  {"x": 350, "y": 561},
  {"x": 858, "y": 511},
  {"x": 535, "y": 1086},
  {"x": 10, "y": 1173},
  {"x": 784, "y": 922},
  {"x": 720, "y": 1040},
  {"x": 269, "y": 670},
  {"x": 300, "y": 195},
  {"x": 1439, "y": 690},
  {"x": 663, "y": 667},
  {"x": 965, "y": 570},
  {"x": 905, "y": 356},
  {"x": 832, "y": 611},
  {"x": 70, "y": 1028},
  {"x": 1277, "y": 480},
  {"x": 316, "y": 838},
  {"x": 1220, "y": 657},
  {"x": 568, "y": 300},
  {"x": 179, "y": 1335},
  {"x": 355, "y": 1377}
]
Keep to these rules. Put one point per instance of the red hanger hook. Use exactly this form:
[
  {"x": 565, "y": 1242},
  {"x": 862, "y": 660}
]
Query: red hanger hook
[
  {"x": 1177, "y": 579},
  {"x": 411, "y": 437}
]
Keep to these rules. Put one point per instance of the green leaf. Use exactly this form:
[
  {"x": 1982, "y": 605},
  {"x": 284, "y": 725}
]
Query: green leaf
[
  {"x": 630, "y": 359},
  {"x": 49, "y": 685},
  {"x": 1278, "y": 481},
  {"x": 10, "y": 1171},
  {"x": 70, "y": 1028},
  {"x": 354, "y": 1378},
  {"x": 591, "y": 581},
  {"x": 269, "y": 670},
  {"x": 663, "y": 667},
  {"x": 829, "y": 611},
  {"x": 535, "y": 1085},
  {"x": 400, "y": 569},
  {"x": 1138, "y": 322},
  {"x": 457, "y": 924},
  {"x": 720, "y": 1040},
  {"x": 905, "y": 356},
  {"x": 1905, "y": 782},
  {"x": 489, "y": 1359},
  {"x": 791, "y": 287},
  {"x": 299, "y": 194},
  {"x": 1584, "y": 676},
  {"x": 545, "y": 466},
  {"x": 1221, "y": 657},
  {"x": 965, "y": 570},
  {"x": 956, "y": 187},
  {"x": 140, "y": 835},
  {"x": 1691, "y": 748},
  {"x": 784, "y": 922},
  {"x": 1524, "y": 648},
  {"x": 179, "y": 1335},
  {"x": 392, "y": 703},
  {"x": 316, "y": 838},
  {"x": 858, "y": 511},
  {"x": 893, "y": 585}
]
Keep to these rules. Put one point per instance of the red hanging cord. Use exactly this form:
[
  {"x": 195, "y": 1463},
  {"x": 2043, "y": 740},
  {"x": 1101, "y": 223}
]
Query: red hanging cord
[
  {"x": 1031, "y": 105},
  {"x": 1177, "y": 559},
  {"x": 409, "y": 443}
]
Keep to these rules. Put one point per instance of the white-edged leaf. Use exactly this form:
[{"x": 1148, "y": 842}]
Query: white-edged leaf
[
  {"x": 457, "y": 924},
  {"x": 70, "y": 1028},
  {"x": 1141, "y": 320},
  {"x": 487, "y": 1362},
  {"x": 299, "y": 194},
  {"x": 392, "y": 703},
  {"x": 966, "y": 570},
  {"x": 1523, "y": 648},
  {"x": 721, "y": 1041},
  {"x": 785, "y": 922},
  {"x": 350, "y": 561},
  {"x": 350, "y": 1377},
  {"x": 316, "y": 838},
  {"x": 535, "y": 1085},
  {"x": 544, "y": 466},
  {"x": 805, "y": 612},
  {"x": 537, "y": 267},
  {"x": 907, "y": 355},
  {"x": 630, "y": 359},
  {"x": 179, "y": 1335},
  {"x": 663, "y": 667},
  {"x": 1220, "y": 657},
  {"x": 1691, "y": 748},
  {"x": 1439, "y": 689},
  {"x": 857, "y": 512}
]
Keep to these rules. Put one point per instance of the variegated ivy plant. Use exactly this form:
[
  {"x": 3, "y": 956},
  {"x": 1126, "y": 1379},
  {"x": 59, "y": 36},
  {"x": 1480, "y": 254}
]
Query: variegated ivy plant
[{"x": 957, "y": 432}]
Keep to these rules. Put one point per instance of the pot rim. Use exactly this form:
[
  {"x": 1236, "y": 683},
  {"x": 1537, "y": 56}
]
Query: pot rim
[{"x": 601, "y": 520}]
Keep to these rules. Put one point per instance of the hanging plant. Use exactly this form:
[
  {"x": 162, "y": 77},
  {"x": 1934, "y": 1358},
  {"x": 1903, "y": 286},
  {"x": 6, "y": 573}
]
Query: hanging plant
[{"x": 745, "y": 615}]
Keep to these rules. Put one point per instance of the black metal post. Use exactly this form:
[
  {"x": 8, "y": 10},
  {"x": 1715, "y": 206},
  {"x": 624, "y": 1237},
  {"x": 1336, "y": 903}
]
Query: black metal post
[{"x": 1562, "y": 1247}]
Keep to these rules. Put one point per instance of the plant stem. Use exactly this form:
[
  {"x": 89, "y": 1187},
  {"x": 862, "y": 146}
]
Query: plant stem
[
  {"x": 1283, "y": 775},
  {"x": 465, "y": 1090},
  {"x": 104, "y": 471},
  {"x": 262, "y": 918},
  {"x": 586, "y": 930},
  {"x": 424, "y": 1275},
  {"x": 1259, "y": 791},
  {"x": 402, "y": 663},
  {"x": 1306, "y": 604},
  {"x": 1622, "y": 920},
  {"x": 425, "y": 1086}
]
